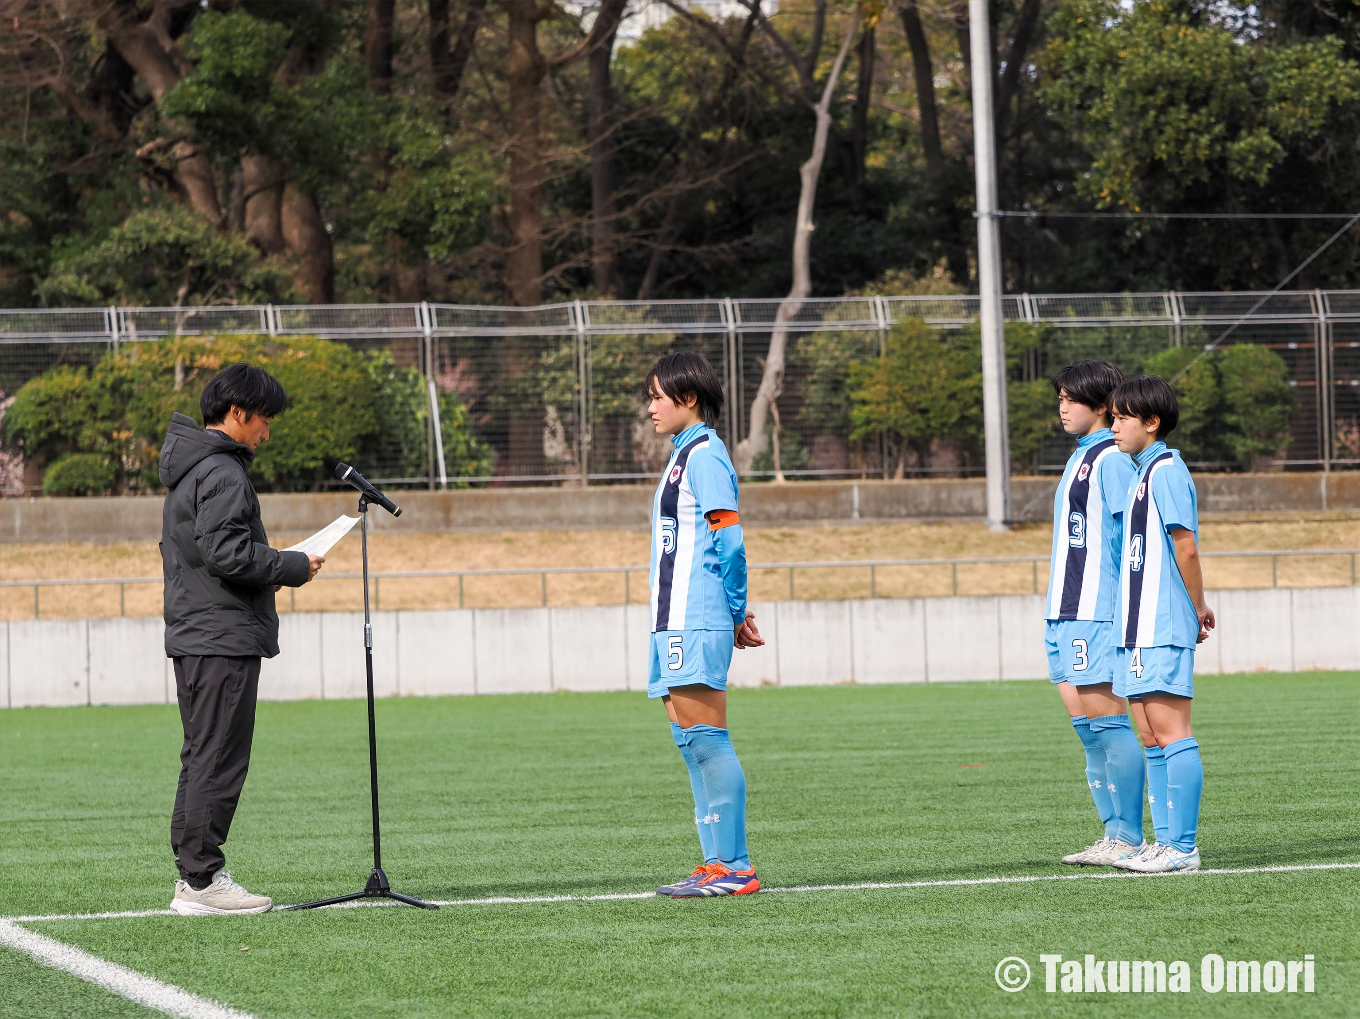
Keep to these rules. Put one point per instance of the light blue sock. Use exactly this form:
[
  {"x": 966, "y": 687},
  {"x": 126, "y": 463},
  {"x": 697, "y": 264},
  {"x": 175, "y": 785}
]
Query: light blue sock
[
  {"x": 1123, "y": 773},
  {"x": 1184, "y": 785},
  {"x": 696, "y": 786},
  {"x": 1156, "y": 779},
  {"x": 725, "y": 788},
  {"x": 1095, "y": 775}
]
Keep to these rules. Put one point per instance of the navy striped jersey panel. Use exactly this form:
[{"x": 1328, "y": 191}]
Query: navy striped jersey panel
[
  {"x": 1137, "y": 525},
  {"x": 1077, "y": 496},
  {"x": 670, "y": 503}
]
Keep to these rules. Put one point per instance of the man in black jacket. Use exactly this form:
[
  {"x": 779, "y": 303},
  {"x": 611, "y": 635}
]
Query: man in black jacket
[{"x": 220, "y": 621}]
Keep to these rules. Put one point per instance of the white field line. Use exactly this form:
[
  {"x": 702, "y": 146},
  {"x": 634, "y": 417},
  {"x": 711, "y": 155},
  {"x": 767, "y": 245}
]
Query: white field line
[
  {"x": 126, "y": 983},
  {"x": 527, "y": 900}
]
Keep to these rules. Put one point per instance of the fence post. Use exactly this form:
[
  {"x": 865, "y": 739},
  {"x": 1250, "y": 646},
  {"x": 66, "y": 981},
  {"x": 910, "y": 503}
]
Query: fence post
[
  {"x": 580, "y": 315},
  {"x": 122, "y": 599},
  {"x": 436, "y": 431},
  {"x": 270, "y": 322},
  {"x": 35, "y": 601},
  {"x": 113, "y": 326},
  {"x": 729, "y": 314},
  {"x": 1326, "y": 420},
  {"x": 1173, "y": 301}
]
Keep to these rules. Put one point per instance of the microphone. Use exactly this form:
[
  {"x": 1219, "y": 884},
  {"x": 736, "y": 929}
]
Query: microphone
[{"x": 370, "y": 492}]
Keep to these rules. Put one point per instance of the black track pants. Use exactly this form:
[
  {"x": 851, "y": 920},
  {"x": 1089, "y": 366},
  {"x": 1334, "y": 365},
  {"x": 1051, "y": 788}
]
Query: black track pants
[{"x": 217, "y": 708}]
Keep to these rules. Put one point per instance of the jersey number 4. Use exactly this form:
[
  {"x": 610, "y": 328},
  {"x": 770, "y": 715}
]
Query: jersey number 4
[
  {"x": 1136, "y": 553},
  {"x": 1136, "y": 663}
]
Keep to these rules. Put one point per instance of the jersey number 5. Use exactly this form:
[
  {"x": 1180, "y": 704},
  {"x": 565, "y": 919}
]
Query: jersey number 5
[
  {"x": 1136, "y": 663},
  {"x": 667, "y": 535},
  {"x": 675, "y": 652}
]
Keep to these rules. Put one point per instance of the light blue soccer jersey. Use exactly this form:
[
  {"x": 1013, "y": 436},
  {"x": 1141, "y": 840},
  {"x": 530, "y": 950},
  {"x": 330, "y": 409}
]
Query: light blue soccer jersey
[
  {"x": 1154, "y": 607},
  {"x": 698, "y": 571},
  {"x": 1083, "y": 577}
]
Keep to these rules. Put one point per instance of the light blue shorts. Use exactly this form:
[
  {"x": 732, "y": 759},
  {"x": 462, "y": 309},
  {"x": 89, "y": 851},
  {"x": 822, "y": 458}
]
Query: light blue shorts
[
  {"x": 687, "y": 658},
  {"x": 1145, "y": 670},
  {"x": 1080, "y": 651}
]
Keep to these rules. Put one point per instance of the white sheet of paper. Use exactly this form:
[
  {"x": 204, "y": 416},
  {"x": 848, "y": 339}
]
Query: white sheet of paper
[{"x": 325, "y": 539}]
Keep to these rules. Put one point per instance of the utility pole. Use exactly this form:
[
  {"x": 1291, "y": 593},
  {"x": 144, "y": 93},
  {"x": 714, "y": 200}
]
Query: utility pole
[{"x": 996, "y": 428}]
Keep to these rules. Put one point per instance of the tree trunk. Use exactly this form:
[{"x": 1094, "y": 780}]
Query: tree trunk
[
  {"x": 306, "y": 240},
  {"x": 378, "y": 45},
  {"x": 524, "y": 260},
  {"x": 604, "y": 202},
  {"x": 160, "y": 65},
  {"x": 772, "y": 378},
  {"x": 1022, "y": 35},
  {"x": 448, "y": 64},
  {"x": 859, "y": 123},
  {"x": 924, "y": 74},
  {"x": 262, "y": 178}
]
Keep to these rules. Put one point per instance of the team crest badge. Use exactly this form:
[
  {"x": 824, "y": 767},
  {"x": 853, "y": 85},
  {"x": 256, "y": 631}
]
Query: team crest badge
[
  {"x": 1142, "y": 490},
  {"x": 1085, "y": 470},
  {"x": 675, "y": 474}
]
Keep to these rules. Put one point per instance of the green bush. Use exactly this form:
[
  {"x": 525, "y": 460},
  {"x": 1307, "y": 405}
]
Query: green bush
[
  {"x": 345, "y": 405},
  {"x": 1235, "y": 402},
  {"x": 927, "y": 389},
  {"x": 80, "y": 474}
]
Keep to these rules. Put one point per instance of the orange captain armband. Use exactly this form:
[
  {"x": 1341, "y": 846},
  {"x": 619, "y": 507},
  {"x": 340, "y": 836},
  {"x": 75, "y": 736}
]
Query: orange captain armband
[{"x": 718, "y": 519}]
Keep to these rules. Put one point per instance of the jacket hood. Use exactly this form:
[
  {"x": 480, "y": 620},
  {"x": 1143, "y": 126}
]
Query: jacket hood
[{"x": 187, "y": 445}]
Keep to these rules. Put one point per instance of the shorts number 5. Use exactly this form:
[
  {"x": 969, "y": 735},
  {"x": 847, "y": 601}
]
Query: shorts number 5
[{"x": 675, "y": 652}]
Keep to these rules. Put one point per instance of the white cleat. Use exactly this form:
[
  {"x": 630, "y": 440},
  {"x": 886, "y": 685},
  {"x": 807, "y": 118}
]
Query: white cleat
[
  {"x": 1104, "y": 853},
  {"x": 1167, "y": 860},
  {"x": 1098, "y": 847},
  {"x": 224, "y": 897},
  {"x": 1147, "y": 852}
]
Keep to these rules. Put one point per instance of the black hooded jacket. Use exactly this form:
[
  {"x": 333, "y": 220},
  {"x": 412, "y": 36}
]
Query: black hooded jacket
[{"x": 220, "y": 572}]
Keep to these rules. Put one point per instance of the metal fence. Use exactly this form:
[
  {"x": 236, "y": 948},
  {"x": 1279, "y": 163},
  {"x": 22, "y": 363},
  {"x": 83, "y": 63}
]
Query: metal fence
[
  {"x": 554, "y": 393},
  {"x": 863, "y": 578}
]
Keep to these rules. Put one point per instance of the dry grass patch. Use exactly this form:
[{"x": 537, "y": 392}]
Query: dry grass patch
[{"x": 532, "y": 549}]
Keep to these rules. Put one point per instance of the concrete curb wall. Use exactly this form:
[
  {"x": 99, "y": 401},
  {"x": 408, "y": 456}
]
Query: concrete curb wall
[
  {"x": 478, "y": 651},
  {"x": 139, "y": 518}
]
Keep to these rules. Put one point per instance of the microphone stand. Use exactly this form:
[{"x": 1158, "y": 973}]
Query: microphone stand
[{"x": 378, "y": 886}]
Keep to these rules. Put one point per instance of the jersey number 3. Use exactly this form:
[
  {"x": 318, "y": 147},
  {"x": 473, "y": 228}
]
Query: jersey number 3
[
  {"x": 1076, "y": 537},
  {"x": 1083, "y": 660},
  {"x": 675, "y": 652}
]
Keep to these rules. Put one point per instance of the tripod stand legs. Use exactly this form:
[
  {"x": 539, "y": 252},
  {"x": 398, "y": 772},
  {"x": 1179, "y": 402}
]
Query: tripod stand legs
[{"x": 377, "y": 888}]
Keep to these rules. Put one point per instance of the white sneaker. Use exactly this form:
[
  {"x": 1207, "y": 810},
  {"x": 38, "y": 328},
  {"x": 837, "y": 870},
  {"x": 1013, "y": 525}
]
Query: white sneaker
[
  {"x": 223, "y": 897},
  {"x": 1149, "y": 850},
  {"x": 1167, "y": 860},
  {"x": 1078, "y": 857},
  {"x": 1105, "y": 853}
]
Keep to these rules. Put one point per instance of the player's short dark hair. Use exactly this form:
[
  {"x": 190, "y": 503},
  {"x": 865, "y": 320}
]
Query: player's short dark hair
[
  {"x": 242, "y": 385},
  {"x": 685, "y": 374},
  {"x": 1146, "y": 397},
  {"x": 1089, "y": 383}
]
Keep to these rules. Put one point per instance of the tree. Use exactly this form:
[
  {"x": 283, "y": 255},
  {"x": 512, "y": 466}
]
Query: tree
[{"x": 772, "y": 376}]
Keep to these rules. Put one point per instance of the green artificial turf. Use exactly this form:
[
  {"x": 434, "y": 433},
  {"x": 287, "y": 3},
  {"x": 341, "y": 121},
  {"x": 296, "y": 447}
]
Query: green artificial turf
[{"x": 585, "y": 794}]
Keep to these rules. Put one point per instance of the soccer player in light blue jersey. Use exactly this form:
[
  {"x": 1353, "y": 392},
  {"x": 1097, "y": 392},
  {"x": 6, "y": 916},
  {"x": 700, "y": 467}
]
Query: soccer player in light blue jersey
[
  {"x": 1081, "y": 603},
  {"x": 1161, "y": 617},
  {"x": 699, "y": 614}
]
